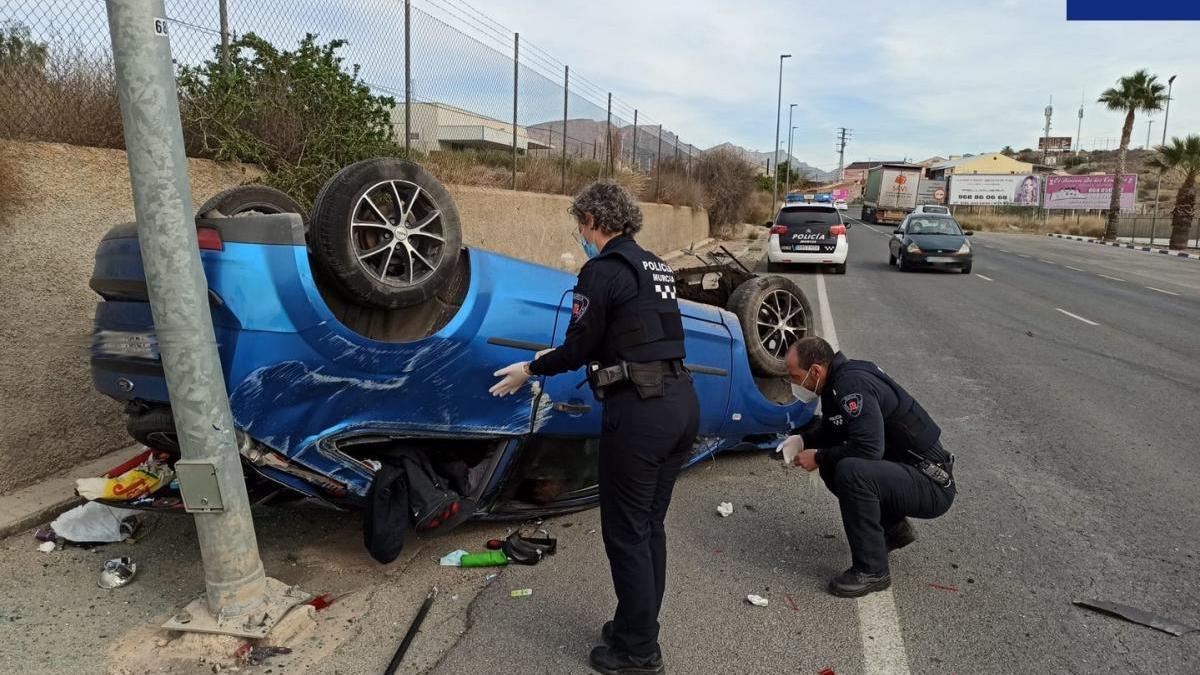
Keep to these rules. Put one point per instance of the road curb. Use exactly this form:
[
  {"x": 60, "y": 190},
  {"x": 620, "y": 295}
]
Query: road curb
[
  {"x": 42, "y": 502},
  {"x": 1132, "y": 247}
]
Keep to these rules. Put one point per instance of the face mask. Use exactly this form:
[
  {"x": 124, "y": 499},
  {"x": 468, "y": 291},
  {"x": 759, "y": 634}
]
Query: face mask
[
  {"x": 803, "y": 393},
  {"x": 589, "y": 249}
]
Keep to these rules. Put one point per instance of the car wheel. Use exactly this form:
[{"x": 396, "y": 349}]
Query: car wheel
[
  {"x": 386, "y": 232},
  {"x": 775, "y": 267},
  {"x": 966, "y": 269},
  {"x": 248, "y": 200},
  {"x": 774, "y": 314},
  {"x": 839, "y": 269},
  {"x": 154, "y": 428},
  {"x": 900, "y": 267},
  {"x": 891, "y": 260}
]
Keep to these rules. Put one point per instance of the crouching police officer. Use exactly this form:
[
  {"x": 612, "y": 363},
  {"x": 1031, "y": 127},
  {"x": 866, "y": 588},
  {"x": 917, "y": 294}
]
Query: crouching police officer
[
  {"x": 878, "y": 451},
  {"x": 626, "y": 328}
]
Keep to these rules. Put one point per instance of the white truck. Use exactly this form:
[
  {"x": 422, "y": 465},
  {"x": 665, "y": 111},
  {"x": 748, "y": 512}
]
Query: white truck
[{"x": 890, "y": 193}]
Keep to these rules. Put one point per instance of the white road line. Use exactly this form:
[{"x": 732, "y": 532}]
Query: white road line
[
  {"x": 1076, "y": 316},
  {"x": 1074, "y": 268},
  {"x": 985, "y": 278},
  {"x": 1108, "y": 277},
  {"x": 1022, "y": 255},
  {"x": 878, "y": 620},
  {"x": 1162, "y": 291},
  {"x": 1003, "y": 250},
  {"x": 1048, "y": 262}
]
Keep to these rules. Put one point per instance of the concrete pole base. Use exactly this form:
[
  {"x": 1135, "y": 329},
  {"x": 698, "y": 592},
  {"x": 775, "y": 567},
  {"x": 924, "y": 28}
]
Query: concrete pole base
[{"x": 197, "y": 618}]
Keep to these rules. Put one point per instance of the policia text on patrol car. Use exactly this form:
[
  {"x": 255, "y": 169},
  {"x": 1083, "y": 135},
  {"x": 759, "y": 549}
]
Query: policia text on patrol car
[
  {"x": 877, "y": 450},
  {"x": 626, "y": 328}
]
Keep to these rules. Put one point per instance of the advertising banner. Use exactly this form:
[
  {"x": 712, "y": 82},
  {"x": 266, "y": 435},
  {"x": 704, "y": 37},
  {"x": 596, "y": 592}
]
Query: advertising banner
[
  {"x": 841, "y": 194},
  {"x": 996, "y": 189},
  {"x": 1055, "y": 143},
  {"x": 1088, "y": 192},
  {"x": 931, "y": 191}
]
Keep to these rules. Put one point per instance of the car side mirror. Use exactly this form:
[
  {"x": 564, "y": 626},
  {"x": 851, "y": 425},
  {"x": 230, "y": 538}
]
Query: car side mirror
[
  {"x": 970, "y": 233},
  {"x": 847, "y": 224},
  {"x": 897, "y": 231}
]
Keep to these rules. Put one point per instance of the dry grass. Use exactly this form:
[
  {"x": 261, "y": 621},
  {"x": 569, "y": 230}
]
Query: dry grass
[
  {"x": 761, "y": 208},
  {"x": 72, "y": 100},
  {"x": 1087, "y": 226}
]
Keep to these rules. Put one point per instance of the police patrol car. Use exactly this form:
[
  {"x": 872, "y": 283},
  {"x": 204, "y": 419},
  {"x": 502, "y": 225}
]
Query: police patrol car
[{"x": 808, "y": 234}]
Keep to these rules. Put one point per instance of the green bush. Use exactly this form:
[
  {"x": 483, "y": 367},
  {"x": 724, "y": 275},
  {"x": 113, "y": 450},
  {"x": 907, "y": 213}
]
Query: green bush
[{"x": 298, "y": 114}]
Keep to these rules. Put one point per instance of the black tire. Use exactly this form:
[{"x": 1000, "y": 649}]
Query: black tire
[
  {"x": 891, "y": 260},
  {"x": 365, "y": 249},
  {"x": 759, "y": 304},
  {"x": 839, "y": 269},
  {"x": 775, "y": 267},
  {"x": 154, "y": 428},
  {"x": 966, "y": 270},
  {"x": 246, "y": 200}
]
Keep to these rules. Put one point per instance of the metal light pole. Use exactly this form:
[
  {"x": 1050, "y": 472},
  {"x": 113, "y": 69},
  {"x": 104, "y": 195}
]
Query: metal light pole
[
  {"x": 1149, "y": 126},
  {"x": 241, "y": 600},
  {"x": 778, "y": 114},
  {"x": 223, "y": 13},
  {"x": 787, "y": 181},
  {"x": 516, "y": 80},
  {"x": 407, "y": 81},
  {"x": 1158, "y": 185}
]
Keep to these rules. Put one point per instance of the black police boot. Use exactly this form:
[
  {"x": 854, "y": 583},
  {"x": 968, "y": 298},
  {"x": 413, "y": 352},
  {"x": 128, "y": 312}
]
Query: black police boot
[
  {"x": 899, "y": 535},
  {"x": 606, "y": 632},
  {"x": 611, "y": 662},
  {"x": 855, "y": 584}
]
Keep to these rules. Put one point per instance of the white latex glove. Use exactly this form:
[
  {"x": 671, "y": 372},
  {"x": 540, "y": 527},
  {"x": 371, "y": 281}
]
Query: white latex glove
[
  {"x": 791, "y": 447},
  {"x": 511, "y": 379},
  {"x": 541, "y": 354}
]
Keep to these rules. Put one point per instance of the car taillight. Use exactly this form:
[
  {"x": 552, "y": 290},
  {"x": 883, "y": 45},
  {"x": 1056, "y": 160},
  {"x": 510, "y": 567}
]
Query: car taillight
[
  {"x": 836, "y": 230},
  {"x": 779, "y": 229},
  {"x": 209, "y": 239}
]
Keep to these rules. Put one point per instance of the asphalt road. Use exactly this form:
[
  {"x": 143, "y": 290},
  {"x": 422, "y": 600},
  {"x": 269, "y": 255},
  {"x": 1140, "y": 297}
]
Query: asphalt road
[
  {"x": 1076, "y": 450},
  {"x": 1076, "y": 444}
]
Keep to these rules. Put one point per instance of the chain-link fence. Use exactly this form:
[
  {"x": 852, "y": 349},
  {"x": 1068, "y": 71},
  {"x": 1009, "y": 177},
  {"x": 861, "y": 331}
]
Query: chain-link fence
[{"x": 475, "y": 102}]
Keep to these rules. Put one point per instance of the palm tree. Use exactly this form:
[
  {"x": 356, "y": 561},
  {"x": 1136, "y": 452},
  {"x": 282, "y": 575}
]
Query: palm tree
[
  {"x": 1182, "y": 155},
  {"x": 1139, "y": 91}
]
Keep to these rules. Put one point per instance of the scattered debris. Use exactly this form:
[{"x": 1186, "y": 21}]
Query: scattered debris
[
  {"x": 485, "y": 559},
  {"x": 1139, "y": 616},
  {"x": 826, "y": 671},
  {"x": 592, "y": 531},
  {"x": 46, "y": 546},
  {"x": 94, "y": 522},
  {"x": 952, "y": 589},
  {"x": 139, "y": 481},
  {"x": 256, "y": 656},
  {"x": 757, "y": 600},
  {"x": 791, "y": 602},
  {"x": 494, "y": 544},
  {"x": 521, "y": 593},
  {"x": 490, "y": 578},
  {"x": 117, "y": 572},
  {"x": 412, "y": 632},
  {"x": 45, "y": 534},
  {"x": 529, "y": 550},
  {"x": 453, "y": 558},
  {"x": 725, "y": 509},
  {"x": 749, "y": 507}
]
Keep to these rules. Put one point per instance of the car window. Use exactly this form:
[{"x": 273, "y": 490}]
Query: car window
[
  {"x": 935, "y": 209},
  {"x": 933, "y": 226},
  {"x": 821, "y": 216}
]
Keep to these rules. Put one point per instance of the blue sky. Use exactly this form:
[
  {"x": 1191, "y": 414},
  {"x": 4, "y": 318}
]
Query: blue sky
[{"x": 911, "y": 79}]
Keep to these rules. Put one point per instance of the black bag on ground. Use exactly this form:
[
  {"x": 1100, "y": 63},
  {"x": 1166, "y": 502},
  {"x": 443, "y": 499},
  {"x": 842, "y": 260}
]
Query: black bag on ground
[{"x": 408, "y": 492}]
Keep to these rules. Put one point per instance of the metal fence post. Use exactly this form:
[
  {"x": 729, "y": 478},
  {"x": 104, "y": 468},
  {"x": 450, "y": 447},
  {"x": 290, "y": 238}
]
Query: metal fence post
[
  {"x": 223, "y": 9},
  {"x": 233, "y": 572},
  {"x": 516, "y": 74},
  {"x": 608, "y": 160},
  {"x": 658, "y": 167},
  {"x": 633, "y": 155},
  {"x": 566, "y": 96},
  {"x": 407, "y": 79}
]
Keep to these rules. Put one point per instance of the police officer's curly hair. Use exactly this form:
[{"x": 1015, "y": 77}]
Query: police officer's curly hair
[{"x": 612, "y": 207}]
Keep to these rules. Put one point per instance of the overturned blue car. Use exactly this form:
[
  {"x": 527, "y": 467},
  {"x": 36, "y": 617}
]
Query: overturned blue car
[{"x": 366, "y": 330}]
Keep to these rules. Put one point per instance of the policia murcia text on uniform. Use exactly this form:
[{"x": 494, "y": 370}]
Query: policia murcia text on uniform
[{"x": 627, "y": 329}]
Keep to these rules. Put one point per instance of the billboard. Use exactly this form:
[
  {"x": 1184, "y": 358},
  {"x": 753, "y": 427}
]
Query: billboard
[
  {"x": 841, "y": 194},
  {"x": 995, "y": 189},
  {"x": 931, "y": 191},
  {"x": 1055, "y": 143},
  {"x": 1088, "y": 192}
]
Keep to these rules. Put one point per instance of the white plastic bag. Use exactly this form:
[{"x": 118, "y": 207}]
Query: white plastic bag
[{"x": 92, "y": 522}]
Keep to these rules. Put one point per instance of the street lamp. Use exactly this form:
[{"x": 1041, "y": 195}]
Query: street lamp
[
  {"x": 1158, "y": 185},
  {"x": 787, "y": 180},
  {"x": 778, "y": 113}
]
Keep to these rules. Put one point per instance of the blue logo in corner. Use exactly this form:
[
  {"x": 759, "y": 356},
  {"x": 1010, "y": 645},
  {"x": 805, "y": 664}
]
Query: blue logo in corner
[{"x": 1133, "y": 10}]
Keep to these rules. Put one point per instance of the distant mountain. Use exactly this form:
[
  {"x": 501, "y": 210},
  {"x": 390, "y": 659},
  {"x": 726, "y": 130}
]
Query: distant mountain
[{"x": 760, "y": 159}]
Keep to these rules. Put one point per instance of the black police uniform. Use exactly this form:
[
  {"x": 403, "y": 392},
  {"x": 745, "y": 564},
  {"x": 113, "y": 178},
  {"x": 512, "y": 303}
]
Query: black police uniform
[
  {"x": 876, "y": 444},
  {"x": 624, "y": 310}
]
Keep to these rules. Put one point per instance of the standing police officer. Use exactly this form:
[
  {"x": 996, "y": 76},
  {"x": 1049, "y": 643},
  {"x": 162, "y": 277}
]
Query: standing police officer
[
  {"x": 626, "y": 328},
  {"x": 878, "y": 452}
]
